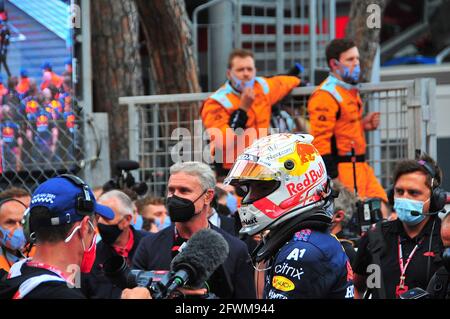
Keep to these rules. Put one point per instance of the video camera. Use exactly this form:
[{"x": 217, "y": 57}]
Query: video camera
[
  {"x": 124, "y": 180},
  {"x": 161, "y": 283},
  {"x": 200, "y": 257},
  {"x": 367, "y": 213}
]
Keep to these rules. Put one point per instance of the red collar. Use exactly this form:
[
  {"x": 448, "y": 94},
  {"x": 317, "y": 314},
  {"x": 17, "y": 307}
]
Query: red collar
[{"x": 124, "y": 251}]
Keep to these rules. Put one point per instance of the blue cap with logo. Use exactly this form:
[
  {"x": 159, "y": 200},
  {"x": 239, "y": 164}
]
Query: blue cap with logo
[{"x": 69, "y": 199}]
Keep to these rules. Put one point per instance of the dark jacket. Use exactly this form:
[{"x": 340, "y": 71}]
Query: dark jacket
[
  {"x": 227, "y": 224},
  {"x": 154, "y": 253},
  {"x": 95, "y": 284}
]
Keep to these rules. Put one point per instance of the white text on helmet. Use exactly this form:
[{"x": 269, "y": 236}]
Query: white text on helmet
[{"x": 310, "y": 178}]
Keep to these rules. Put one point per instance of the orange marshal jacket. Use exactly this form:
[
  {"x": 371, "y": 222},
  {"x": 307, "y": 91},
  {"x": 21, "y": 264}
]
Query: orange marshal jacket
[
  {"x": 335, "y": 110},
  {"x": 217, "y": 109}
]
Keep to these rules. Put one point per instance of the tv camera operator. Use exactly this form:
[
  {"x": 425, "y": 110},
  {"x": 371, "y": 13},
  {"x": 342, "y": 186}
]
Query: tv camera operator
[{"x": 125, "y": 181}]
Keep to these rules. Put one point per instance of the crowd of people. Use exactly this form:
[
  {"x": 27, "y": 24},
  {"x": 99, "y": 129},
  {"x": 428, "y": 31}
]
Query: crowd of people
[
  {"x": 287, "y": 207},
  {"x": 37, "y": 120}
]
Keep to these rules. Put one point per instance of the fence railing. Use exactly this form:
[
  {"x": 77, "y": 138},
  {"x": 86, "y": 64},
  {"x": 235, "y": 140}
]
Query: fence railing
[
  {"x": 167, "y": 128},
  {"x": 279, "y": 32}
]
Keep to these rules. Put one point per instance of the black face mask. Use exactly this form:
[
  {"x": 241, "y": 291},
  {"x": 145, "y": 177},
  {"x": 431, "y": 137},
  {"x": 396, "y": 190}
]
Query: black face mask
[
  {"x": 109, "y": 233},
  {"x": 181, "y": 209}
]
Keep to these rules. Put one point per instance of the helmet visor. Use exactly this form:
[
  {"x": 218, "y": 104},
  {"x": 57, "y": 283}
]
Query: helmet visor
[
  {"x": 249, "y": 170},
  {"x": 255, "y": 190}
]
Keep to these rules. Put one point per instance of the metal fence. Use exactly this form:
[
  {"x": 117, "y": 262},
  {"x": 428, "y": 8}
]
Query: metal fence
[
  {"x": 39, "y": 139},
  {"x": 167, "y": 128},
  {"x": 279, "y": 32}
]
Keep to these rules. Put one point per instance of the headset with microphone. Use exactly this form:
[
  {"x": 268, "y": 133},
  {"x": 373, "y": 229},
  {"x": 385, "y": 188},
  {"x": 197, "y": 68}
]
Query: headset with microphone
[
  {"x": 84, "y": 205},
  {"x": 438, "y": 197}
]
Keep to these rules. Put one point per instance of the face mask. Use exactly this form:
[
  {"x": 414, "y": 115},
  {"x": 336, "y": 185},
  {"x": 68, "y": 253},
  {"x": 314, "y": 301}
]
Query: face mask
[
  {"x": 403, "y": 207},
  {"x": 166, "y": 223},
  {"x": 88, "y": 255},
  {"x": 240, "y": 85},
  {"x": 345, "y": 74},
  {"x": 109, "y": 233},
  {"x": 13, "y": 240},
  {"x": 139, "y": 221},
  {"x": 181, "y": 209},
  {"x": 231, "y": 203}
]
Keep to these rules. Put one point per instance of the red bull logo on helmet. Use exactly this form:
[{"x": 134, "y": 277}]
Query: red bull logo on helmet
[
  {"x": 311, "y": 177},
  {"x": 307, "y": 153}
]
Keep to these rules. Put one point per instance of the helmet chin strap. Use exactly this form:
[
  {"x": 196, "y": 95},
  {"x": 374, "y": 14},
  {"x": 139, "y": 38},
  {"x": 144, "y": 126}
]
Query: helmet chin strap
[{"x": 316, "y": 219}]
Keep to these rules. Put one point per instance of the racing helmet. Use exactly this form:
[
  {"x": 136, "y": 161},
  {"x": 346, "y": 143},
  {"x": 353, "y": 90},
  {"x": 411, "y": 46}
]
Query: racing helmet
[{"x": 280, "y": 176}]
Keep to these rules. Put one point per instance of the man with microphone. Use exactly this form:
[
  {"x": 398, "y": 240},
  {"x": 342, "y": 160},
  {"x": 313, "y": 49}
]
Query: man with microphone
[
  {"x": 190, "y": 191},
  {"x": 401, "y": 254}
]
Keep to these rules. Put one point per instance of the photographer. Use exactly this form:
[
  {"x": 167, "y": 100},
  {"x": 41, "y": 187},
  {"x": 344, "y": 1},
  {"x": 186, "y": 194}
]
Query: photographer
[
  {"x": 62, "y": 220},
  {"x": 405, "y": 250}
]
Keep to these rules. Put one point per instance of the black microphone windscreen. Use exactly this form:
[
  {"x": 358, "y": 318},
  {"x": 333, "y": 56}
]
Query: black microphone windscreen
[
  {"x": 205, "y": 251},
  {"x": 127, "y": 165}
]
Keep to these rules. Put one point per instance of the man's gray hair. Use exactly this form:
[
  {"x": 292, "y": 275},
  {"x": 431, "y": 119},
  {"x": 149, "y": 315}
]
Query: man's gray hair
[
  {"x": 201, "y": 170},
  {"x": 125, "y": 202},
  {"x": 346, "y": 202}
]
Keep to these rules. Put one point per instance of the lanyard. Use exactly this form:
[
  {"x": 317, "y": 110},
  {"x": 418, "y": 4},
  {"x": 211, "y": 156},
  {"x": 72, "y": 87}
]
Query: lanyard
[
  {"x": 50, "y": 268},
  {"x": 400, "y": 261}
]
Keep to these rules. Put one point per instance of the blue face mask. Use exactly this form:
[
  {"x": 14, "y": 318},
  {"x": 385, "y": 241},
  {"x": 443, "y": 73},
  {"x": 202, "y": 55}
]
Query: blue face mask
[
  {"x": 404, "y": 206},
  {"x": 240, "y": 85},
  {"x": 231, "y": 203},
  {"x": 346, "y": 75},
  {"x": 138, "y": 223},
  {"x": 14, "y": 241},
  {"x": 166, "y": 223}
]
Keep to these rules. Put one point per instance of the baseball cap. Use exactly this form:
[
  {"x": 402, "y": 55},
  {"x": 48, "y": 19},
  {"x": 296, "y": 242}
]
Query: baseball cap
[{"x": 68, "y": 200}]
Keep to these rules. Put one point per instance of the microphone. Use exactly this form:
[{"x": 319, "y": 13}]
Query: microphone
[
  {"x": 127, "y": 165},
  {"x": 201, "y": 256},
  {"x": 204, "y": 252}
]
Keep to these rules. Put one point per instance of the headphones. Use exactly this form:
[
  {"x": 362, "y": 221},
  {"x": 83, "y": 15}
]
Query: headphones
[
  {"x": 85, "y": 202},
  {"x": 438, "y": 196},
  {"x": 11, "y": 199},
  {"x": 84, "y": 206}
]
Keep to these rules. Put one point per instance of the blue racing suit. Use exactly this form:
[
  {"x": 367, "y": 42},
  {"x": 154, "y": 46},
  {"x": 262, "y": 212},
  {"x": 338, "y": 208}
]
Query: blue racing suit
[{"x": 312, "y": 264}]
